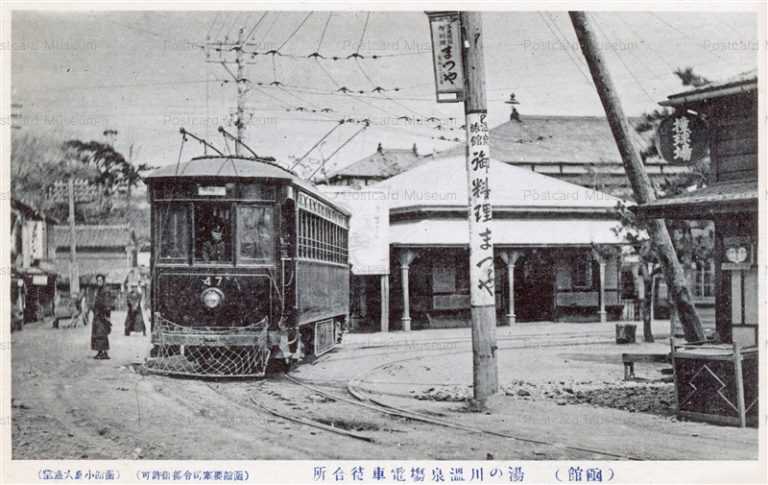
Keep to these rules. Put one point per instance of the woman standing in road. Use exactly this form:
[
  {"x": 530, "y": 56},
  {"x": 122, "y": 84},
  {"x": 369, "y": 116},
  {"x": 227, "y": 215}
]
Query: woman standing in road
[{"x": 101, "y": 328}]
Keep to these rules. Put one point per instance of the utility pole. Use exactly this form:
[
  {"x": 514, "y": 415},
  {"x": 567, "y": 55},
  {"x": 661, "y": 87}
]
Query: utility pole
[
  {"x": 238, "y": 76},
  {"x": 638, "y": 178},
  {"x": 74, "y": 273},
  {"x": 240, "y": 81},
  {"x": 479, "y": 214}
]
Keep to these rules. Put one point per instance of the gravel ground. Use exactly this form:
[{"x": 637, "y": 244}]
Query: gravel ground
[{"x": 66, "y": 405}]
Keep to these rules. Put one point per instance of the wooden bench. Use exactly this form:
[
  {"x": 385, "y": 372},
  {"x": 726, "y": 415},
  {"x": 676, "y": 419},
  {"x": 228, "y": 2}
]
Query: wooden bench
[{"x": 630, "y": 359}]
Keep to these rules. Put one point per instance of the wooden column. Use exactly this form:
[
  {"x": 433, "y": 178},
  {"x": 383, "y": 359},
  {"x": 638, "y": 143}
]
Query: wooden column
[
  {"x": 602, "y": 261},
  {"x": 406, "y": 258},
  {"x": 385, "y": 303},
  {"x": 363, "y": 296},
  {"x": 510, "y": 258}
]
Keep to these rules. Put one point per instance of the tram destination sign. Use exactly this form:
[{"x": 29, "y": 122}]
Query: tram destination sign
[
  {"x": 445, "y": 29},
  {"x": 212, "y": 190}
]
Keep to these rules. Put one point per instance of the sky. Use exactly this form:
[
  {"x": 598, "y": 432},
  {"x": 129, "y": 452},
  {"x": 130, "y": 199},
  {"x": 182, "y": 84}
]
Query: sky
[{"x": 146, "y": 74}]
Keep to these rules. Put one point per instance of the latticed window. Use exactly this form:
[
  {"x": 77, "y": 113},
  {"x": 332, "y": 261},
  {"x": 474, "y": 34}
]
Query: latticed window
[
  {"x": 701, "y": 281},
  {"x": 321, "y": 239}
]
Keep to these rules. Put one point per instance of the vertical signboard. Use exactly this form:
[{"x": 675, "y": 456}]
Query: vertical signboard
[
  {"x": 481, "y": 266},
  {"x": 446, "y": 51},
  {"x": 368, "y": 228}
]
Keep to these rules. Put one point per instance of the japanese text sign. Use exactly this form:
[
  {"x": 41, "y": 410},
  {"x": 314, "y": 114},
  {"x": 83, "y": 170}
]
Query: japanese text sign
[
  {"x": 480, "y": 212},
  {"x": 682, "y": 138},
  {"x": 447, "y": 56}
]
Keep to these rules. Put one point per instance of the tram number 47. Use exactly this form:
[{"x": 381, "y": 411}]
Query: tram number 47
[{"x": 208, "y": 280}]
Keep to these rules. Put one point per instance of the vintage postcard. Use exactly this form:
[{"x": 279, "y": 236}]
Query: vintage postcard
[{"x": 380, "y": 243}]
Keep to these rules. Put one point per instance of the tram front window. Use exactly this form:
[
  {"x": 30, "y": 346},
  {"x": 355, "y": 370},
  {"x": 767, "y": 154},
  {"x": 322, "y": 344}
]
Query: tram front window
[
  {"x": 174, "y": 232},
  {"x": 256, "y": 234},
  {"x": 213, "y": 234}
]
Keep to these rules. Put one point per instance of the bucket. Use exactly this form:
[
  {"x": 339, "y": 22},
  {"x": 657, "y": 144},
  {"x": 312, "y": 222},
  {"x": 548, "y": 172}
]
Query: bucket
[{"x": 625, "y": 333}]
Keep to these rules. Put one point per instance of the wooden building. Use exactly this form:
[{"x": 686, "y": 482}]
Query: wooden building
[
  {"x": 101, "y": 249},
  {"x": 557, "y": 255},
  {"x": 33, "y": 281},
  {"x": 577, "y": 149},
  {"x": 730, "y": 199},
  {"x": 382, "y": 164}
]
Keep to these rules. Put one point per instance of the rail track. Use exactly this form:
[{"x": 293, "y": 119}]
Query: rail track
[
  {"x": 365, "y": 398},
  {"x": 355, "y": 392}
]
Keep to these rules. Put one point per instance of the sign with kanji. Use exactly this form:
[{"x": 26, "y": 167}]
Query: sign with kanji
[
  {"x": 481, "y": 266},
  {"x": 84, "y": 191},
  {"x": 682, "y": 138},
  {"x": 446, "y": 55}
]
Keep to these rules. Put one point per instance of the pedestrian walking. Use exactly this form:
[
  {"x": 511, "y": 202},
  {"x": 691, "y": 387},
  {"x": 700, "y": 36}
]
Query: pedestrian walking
[
  {"x": 134, "y": 320},
  {"x": 101, "y": 327}
]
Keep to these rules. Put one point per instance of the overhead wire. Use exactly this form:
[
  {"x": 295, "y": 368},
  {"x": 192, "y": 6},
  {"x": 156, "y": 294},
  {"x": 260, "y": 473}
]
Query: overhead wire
[
  {"x": 253, "y": 29},
  {"x": 684, "y": 34},
  {"x": 295, "y": 31},
  {"x": 325, "y": 160},
  {"x": 322, "y": 34},
  {"x": 362, "y": 35},
  {"x": 210, "y": 27},
  {"x": 621, "y": 59},
  {"x": 554, "y": 29}
]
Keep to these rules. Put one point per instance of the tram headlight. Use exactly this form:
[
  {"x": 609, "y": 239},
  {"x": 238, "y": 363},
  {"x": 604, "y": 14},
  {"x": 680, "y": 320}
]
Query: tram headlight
[{"x": 212, "y": 297}]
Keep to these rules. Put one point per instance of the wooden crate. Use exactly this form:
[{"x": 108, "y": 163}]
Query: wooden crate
[{"x": 716, "y": 383}]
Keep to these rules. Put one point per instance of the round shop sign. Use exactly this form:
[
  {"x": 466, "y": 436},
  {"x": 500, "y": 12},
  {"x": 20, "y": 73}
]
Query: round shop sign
[{"x": 682, "y": 138}]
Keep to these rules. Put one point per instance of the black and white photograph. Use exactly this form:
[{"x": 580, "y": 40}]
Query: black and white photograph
[{"x": 384, "y": 243}]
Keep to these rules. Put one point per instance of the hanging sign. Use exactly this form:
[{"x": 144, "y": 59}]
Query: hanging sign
[
  {"x": 682, "y": 138},
  {"x": 481, "y": 267},
  {"x": 446, "y": 56},
  {"x": 738, "y": 253}
]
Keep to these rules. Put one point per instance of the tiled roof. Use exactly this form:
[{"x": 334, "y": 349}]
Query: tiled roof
[
  {"x": 716, "y": 196},
  {"x": 561, "y": 139},
  {"x": 747, "y": 78},
  {"x": 94, "y": 236},
  {"x": 384, "y": 163},
  {"x": 30, "y": 211}
]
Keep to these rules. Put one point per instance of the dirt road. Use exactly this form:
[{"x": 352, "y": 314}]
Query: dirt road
[{"x": 66, "y": 405}]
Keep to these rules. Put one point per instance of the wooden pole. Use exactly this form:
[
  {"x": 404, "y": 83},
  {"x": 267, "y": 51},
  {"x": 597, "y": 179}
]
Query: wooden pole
[
  {"x": 385, "y": 303},
  {"x": 74, "y": 274},
  {"x": 481, "y": 267},
  {"x": 239, "y": 120},
  {"x": 638, "y": 178}
]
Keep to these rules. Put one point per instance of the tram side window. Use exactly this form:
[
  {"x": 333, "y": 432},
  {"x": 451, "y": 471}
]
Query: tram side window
[
  {"x": 255, "y": 226},
  {"x": 213, "y": 233},
  {"x": 174, "y": 232}
]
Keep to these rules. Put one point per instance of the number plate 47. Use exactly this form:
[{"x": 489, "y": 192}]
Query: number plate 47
[{"x": 213, "y": 280}]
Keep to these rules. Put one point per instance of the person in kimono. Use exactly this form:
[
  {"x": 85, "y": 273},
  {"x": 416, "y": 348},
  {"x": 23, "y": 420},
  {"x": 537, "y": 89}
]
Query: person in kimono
[
  {"x": 101, "y": 326},
  {"x": 134, "y": 320}
]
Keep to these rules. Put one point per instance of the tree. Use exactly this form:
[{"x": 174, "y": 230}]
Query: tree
[
  {"x": 37, "y": 163},
  {"x": 113, "y": 171}
]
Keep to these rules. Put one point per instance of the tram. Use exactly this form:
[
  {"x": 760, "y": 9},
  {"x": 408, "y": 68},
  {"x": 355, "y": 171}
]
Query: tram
[{"x": 249, "y": 267}]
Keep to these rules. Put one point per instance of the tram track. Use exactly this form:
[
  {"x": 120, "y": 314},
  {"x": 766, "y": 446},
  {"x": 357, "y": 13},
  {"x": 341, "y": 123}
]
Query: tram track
[
  {"x": 441, "y": 343},
  {"x": 357, "y": 393},
  {"x": 364, "y": 398},
  {"x": 360, "y": 399}
]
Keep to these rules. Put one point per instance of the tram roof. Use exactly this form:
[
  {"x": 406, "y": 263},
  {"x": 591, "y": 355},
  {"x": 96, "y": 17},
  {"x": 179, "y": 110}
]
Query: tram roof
[
  {"x": 234, "y": 167},
  {"x": 223, "y": 167}
]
